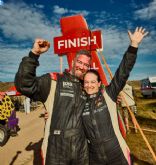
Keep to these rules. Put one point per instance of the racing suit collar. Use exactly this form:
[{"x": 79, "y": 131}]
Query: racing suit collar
[
  {"x": 101, "y": 90},
  {"x": 72, "y": 77}
]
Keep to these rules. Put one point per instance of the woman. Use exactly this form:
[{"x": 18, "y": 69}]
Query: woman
[{"x": 106, "y": 145}]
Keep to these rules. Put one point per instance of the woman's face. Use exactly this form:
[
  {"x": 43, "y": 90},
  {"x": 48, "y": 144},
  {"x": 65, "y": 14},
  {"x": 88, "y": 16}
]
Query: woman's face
[{"x": 91, "y": 84}]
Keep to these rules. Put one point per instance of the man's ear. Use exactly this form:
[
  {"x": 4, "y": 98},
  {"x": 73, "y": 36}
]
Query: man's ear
[
  {"x": 99, "y": 83},
  {"x": 73, "y": 61},
  {"x": 72, "y": 69}
]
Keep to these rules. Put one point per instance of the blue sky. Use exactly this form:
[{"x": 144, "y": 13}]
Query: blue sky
[{"x": 21, "y": 21}]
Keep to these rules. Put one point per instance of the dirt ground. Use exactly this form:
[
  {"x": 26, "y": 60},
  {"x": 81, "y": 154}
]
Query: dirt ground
[{"x": 24, "y": 149}]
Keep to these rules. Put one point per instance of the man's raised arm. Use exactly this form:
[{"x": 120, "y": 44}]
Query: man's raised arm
[{"x": 26, "y": 80}]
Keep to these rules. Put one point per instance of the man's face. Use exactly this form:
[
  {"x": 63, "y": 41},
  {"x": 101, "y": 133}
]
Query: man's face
[{"x": 81, "y": 66}]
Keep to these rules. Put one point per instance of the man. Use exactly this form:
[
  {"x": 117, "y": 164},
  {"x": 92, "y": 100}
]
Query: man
[
  {"x": 27, "y": 105},
  {"x": 128, "y": 95},
  {"x": 63, "y": 131},
  {"x": 66, "y": 140}
]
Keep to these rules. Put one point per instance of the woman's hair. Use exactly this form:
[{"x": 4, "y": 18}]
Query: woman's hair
[{"x": 95, "y": 72}]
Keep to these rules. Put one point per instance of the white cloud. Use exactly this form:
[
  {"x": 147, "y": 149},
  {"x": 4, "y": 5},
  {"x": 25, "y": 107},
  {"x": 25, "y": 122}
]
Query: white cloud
[
  {"x": 12, "y": 55},
  {"x": 147, "y": 12},
  {"x": 101, "y": 17},
  {"x": 146, "y": 64},
  {"x": 141, "y": 74},
  {"x": 39, "y": 6},
  {"x": 83, "y": 12},
  {"x": 115, "y": 42},
  {"x": 22, "y": 22},
  {"x": 60, "y": 10}
]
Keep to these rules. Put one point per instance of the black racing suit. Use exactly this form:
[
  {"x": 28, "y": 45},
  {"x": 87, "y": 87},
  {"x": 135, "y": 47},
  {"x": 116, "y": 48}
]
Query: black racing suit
[
  {"x": 104, "y": 148},
  {"x": 67, "y": 144}
]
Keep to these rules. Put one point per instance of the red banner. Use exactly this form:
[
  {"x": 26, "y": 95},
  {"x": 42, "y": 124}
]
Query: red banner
[{"x": 83, "y": 40}]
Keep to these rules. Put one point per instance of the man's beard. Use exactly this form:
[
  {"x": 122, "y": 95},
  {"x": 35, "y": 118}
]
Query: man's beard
[{"x": 81, "y": 73}]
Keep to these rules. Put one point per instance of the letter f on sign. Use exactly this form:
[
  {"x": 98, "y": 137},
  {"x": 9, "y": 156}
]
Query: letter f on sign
[{"x": 60, "y": 43}]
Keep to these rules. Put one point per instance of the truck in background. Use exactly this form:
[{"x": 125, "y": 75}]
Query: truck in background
[{"x": 148, "y": 87}]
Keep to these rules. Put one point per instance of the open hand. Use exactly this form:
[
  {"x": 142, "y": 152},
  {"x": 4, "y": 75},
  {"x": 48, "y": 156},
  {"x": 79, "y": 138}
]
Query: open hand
[{"x": 137, "y": 36}]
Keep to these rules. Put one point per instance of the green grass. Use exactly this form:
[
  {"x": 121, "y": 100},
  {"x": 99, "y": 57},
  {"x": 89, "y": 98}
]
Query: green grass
[
  {"x": 138, "y": 148},
  {"x": 146, "y": 117},
  {"x": 146, "y": 106}
]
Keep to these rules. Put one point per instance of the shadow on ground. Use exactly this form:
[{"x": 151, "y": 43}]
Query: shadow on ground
[{"x": 36, "y": 148}]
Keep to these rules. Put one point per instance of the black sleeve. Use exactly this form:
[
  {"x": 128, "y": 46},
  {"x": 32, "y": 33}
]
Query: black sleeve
[
  {"x": 122, "y": 73},
  {"x": 26, "y": 82}
]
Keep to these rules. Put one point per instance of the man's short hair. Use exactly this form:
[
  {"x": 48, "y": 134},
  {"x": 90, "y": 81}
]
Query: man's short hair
[{"x": 85, "y": 52}]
